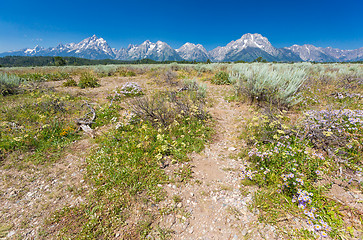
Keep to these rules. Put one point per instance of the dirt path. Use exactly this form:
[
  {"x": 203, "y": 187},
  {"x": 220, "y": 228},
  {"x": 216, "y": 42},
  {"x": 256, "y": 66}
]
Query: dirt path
[
  {"x": 214, "y": 207},
  {"x": 30, "y": 195}
]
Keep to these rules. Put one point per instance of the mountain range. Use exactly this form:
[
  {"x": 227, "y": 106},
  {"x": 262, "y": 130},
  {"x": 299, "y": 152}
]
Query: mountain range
[{"x": 247, "y": 48}]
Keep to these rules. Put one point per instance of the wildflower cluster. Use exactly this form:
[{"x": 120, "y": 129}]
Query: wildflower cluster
[
  {"x": 342, "y": 95},
  {"x": 303, "y": 199},
  {"x": 333, "y": 129},
  {"x": 247, "y": 173},
  {"x": 66, "y": 131},
  {"x": 51, "y": 103},
  {"x": 335, "y": 120},
  {"x": 292, "y": 180},
  {"x": 131, "y": 89},
  {"x": 127, "y": 119}
]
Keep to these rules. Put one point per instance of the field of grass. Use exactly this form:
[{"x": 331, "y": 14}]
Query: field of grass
[{"x": 94, "y": 148}]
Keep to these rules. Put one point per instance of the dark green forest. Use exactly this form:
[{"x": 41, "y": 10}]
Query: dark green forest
[{"x": 25, "y": 61}]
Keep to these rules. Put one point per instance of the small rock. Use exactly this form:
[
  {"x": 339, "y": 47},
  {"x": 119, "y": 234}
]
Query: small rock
[
  {"x": 232, "y": 149},
  {"x": 11, "y": 233}
]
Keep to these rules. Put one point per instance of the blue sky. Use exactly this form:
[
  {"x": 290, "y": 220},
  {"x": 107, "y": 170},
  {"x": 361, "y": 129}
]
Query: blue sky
[{"x": 26, "y": 23}]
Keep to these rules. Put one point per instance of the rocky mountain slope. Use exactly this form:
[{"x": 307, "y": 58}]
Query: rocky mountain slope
[
  {"x": 247, "y": 48},
  {"x": 309, "y": 52},
  {"x": 192, "y": 52}
]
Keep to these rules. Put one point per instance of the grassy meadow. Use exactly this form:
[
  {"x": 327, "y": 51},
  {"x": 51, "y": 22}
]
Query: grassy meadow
[{"x": 107, "y": 139}]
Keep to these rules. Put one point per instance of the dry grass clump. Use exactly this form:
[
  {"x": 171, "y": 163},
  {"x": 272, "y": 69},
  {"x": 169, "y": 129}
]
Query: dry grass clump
[{"x": 167, "y": 107}]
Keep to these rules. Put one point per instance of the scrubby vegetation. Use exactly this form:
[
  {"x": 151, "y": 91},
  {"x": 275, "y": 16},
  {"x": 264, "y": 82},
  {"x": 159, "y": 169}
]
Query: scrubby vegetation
[
  {"x": 298, "y": 158},
  {"x": 88, "y": 80},
  {"x": 9, "y": 84},
  {"x": 302, "y": 135},
  {"x": 221, "y": 78},
  {"x": 278, "y": 85}
]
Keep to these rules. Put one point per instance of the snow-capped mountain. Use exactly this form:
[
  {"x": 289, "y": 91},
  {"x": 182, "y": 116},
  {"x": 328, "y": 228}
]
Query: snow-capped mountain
[
  {"x": 159, "y": 51},
  {"x": 91, "y": 48},
  {"x": 249, "y": 47},
  {"x": 309, "y": 52},
  {"x": 24, "y": 52},
  {"x": 192, "y": 52},
  {"x": 33, "y": 51}
]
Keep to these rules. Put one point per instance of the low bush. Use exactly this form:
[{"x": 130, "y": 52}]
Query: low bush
[
  {"x": 70, "y": 83},
  {"x": 88, "y": 80},
  {"x": 43, "y": 77},
  {"x": 196, "y": 91},
  {"x": 127, "y": 73},
  {"x": 105, "y": 70},
  {"x": 166, "y": 108},
  {"x": 170, "y": 77},
  {"x": 278, "y": 86},
  {"x": 9, "y": 84},
  {"x": 221, "y": 78}
]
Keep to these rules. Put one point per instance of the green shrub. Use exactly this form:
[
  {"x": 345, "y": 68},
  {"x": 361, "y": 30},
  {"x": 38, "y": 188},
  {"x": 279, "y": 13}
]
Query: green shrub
[
  {"x": 127, "y": 73},
  {"x": 278, "y": 85},
  {"x": 130, "y": 74},
  {"x": 105, "y": 70},
  {"x": 9, "y": 84},
  {"x": 43, "y": 77},
  {"x": 88, "y": 80},
  {"x": 198, "y": 91},
  {"x": 221, "y": 78},
  {"x": 70, "y": 83},
  {"x": 32, "y": 77}
]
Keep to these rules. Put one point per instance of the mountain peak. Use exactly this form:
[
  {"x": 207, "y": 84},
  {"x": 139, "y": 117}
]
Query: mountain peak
[
  {"x": 191, "y": 52},
  {"x": 252, "y": 35},
  {"x": 248, "y": 40},
  {"x": 247, "y": 48}
]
